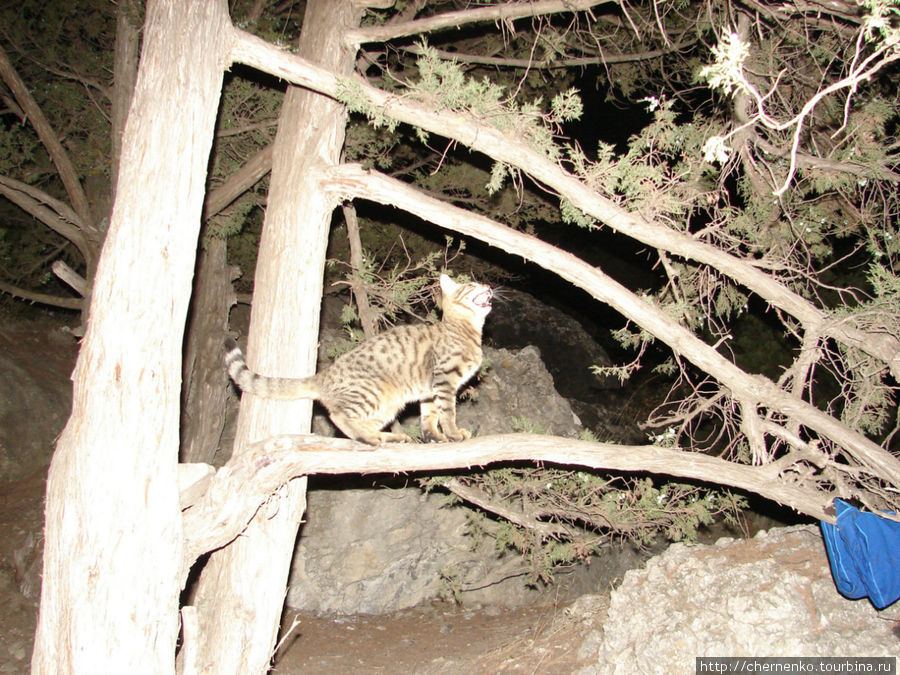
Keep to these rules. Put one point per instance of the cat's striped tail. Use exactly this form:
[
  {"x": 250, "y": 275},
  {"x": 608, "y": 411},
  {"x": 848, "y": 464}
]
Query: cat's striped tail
[{"x": 267, "y": 387}]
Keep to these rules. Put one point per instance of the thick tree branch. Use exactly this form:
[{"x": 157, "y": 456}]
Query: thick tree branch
[
  {"x": 125, "y": 66},
  {"x": 548, "y": 64},
  {"x": 42, "y": 298},
  {"x": 239, "y": 182},
  {"x": 500, "y": 12},
  {"x": 239, "y": 488},
  {"x": 257, "y": 53},
  {"x": 75, "y": 281}
]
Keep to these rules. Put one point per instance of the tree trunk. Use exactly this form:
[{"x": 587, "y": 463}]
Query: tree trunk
[
  {"x": 125, "y": 62},
  {"x": 241, "y": 591},
  {"x": 111, "y": 580},
  {"x": 205, "y": 383}
]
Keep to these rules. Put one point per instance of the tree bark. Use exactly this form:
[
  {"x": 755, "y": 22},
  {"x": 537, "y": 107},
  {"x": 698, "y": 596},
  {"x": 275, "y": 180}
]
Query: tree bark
[
  {"x": 205, "y": 383},
  {"x": 109, "y": 601},
  {"x": 241, "y": 590},
  {"x": 125, "y": 62}
]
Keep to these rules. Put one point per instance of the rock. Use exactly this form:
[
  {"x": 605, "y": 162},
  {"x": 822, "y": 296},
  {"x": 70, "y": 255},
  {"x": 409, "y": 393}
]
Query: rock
[
  {"x": 378, "y": 550},
  {"x": 516, "y": 394},
  {"x": 519, "y": 319},
  {"x": 770, "y": 595}
]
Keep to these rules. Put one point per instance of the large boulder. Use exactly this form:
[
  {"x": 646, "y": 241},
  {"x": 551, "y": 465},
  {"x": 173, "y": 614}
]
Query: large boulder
[
  {"x": 377, "y": 550},
  {"x": 772, "y": 595},
  {"x": 569, "y": 350}
]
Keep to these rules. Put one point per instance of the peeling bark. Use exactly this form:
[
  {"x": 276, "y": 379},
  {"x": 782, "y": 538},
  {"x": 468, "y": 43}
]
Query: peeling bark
[{"x": 109, "y": 598}]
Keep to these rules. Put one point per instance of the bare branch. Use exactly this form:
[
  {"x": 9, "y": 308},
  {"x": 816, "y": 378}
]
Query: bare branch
[
  {"x": 77, "y": 282},
  {"x": 805, "y": 160},
  {"x": 55, "y": 214},
  {"x": 367, "y": 317},
  {"x": 42, "y": 298},
  {"x": 518, "y": 516},
  {"x": 48, "y": 137},
  {"x": 570, "y": 62},
  {"x": 502, "y": 12},
  {"x": 238, "y": 489}
]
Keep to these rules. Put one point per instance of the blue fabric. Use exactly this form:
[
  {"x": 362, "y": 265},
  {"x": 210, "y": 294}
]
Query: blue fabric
[{"x": 864, "y": 553}]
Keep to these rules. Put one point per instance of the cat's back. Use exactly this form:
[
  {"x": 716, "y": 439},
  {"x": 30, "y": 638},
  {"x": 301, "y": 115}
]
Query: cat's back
[{"x": 401, "y": 354}]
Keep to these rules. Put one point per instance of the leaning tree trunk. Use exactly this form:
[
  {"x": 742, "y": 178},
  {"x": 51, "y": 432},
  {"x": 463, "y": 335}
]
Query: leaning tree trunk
[
  {"x": 240, "y": 595},
  {"x": 109, "y": 602}
]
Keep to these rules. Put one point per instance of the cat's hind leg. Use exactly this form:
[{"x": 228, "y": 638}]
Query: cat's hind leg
[
  {"x": 366, "y": 430},
  {"x": 428, "y": 418}
]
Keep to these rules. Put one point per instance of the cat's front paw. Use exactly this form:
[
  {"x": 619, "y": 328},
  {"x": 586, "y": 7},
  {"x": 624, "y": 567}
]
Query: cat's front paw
[{"x": 459, "y": 435}]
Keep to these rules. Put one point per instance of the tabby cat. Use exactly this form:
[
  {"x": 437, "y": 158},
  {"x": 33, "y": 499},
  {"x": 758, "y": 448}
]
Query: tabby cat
[{"x": 365, "y": 388}]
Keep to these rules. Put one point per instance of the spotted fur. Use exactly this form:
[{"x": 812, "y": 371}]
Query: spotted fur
[{"x": 364, "y": 389}]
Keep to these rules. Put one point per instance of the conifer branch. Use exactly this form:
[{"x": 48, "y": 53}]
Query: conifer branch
[{"x": 478, "y": 135}]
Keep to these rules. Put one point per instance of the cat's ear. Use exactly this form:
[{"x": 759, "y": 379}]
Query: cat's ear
[{"x": 448, "y": 286}]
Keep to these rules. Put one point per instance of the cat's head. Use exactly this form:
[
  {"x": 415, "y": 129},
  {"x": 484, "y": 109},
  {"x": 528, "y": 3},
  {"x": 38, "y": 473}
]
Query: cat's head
[{"x": 471, "y": 301}]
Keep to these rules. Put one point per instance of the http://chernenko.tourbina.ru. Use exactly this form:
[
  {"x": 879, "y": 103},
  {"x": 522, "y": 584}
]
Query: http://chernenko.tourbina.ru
[{"x": 850, "y": 665}]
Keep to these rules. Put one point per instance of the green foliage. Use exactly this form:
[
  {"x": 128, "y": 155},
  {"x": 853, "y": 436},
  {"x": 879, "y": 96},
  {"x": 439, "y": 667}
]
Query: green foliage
[
  {"x": 499, "y": 172},
  {"x": 566, "y": 107},
  {"x": 450, "y": 584},
  {"x": 398, "y": 287},
  {"x": 63, "y": 52},
  {"x": 621, "y": 373},
  {"x": 523, "y": 425},
  {"x": 868, "y": 397},
  {"x": 350, "y": 94},
  {"x": 726, "y": 73},
  {"x": 880, "y": 23},
  {"x": 444, "y": 85},
  {"x": 589, "y": 510},
  {"x": 248, "y": 115},
  {"x": 572, "y": 215}
]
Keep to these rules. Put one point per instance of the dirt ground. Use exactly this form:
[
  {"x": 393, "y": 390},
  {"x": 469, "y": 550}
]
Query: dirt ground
[{"x": 436, "y": 639}]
